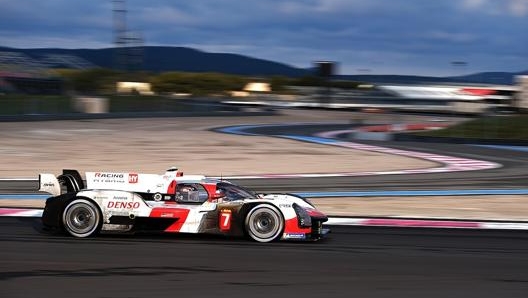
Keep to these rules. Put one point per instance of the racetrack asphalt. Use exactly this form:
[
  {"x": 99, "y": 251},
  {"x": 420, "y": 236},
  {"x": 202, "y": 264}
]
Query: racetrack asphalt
[{"x": 352, "y": 262}]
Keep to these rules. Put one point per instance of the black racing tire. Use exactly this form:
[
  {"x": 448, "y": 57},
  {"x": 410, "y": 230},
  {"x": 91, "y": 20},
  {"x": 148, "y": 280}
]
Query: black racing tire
[
  {"x": 81, "y": 218},
  {"x": 264, "y": 223}
]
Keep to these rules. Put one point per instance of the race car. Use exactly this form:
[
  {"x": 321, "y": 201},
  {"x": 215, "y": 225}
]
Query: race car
[{"x": 174, "y": 203}]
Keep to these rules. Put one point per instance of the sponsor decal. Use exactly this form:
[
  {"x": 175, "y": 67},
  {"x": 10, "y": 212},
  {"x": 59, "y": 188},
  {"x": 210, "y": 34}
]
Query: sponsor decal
[
  {"x": 120, "y": 198},
  {"x": 133, "y": 178},
  {"x": 294, "y": 236},
  {"x": 123, "y": 205},
  {"x": 100, "y": 177},
  {"x": 100, "y": 198},
  {"x": 109, "y": 175},
  {"x": 285, "y": 206},
  {"x": 48, "y": 184},
  {"x": 224, "y": 220},
  {"x": 157, "y": 197}
]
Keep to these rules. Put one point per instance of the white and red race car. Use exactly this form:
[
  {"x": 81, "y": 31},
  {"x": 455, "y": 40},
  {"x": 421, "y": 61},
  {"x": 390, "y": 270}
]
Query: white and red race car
[{"x": 176, "y": 203}]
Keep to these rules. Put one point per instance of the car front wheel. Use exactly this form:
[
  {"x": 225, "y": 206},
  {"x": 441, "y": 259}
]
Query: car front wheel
[
  {"x": 264, "y": 223},
  {"x": 81, "y": 218}
]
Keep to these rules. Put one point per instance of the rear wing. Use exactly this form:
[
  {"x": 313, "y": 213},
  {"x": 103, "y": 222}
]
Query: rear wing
[
  {"x": 50, "y": 184},
  {"x": 70, "y": 179}
]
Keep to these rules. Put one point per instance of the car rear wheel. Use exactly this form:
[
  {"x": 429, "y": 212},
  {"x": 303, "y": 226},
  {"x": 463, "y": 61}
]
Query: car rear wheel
[
  {"x": 81, "y": 218},
  {"x": 264, "y": 223}
]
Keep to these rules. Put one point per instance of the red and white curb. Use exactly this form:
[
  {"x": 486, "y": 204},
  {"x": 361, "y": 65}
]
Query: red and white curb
[
  {"x": 399, "y": 127},
  {"x": 451, "y": 164},
  {"x": 447, "y": 163},
  {"x": 20, "y": 212},
  {"x": 358, "y": 221}
]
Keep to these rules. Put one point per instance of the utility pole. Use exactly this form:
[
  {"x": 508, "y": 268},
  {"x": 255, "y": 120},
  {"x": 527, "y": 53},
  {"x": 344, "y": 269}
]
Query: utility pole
[
  {"x": 128, "y": 44},
  {"x": 120, "y": 33}
]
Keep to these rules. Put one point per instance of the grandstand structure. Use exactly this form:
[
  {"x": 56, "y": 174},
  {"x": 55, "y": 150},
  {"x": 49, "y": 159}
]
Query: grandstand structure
[
  {"x": 66, "y": 61},
  {"x": 20, "y": 65},
  {"x": 23, "y": 72},
  {"x": 20, "y": 73}
]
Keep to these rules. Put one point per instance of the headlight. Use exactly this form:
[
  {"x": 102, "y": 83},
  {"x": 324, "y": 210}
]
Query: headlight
[{"x": 303, "y": 217}]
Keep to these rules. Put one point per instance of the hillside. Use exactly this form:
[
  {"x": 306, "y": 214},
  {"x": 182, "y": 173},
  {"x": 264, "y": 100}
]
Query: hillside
[{"x": 161, "y": 59}]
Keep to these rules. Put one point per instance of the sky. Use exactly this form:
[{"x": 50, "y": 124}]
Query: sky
[{"x": 412, "y": 37}]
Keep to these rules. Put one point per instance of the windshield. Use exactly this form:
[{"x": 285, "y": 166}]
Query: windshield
[{"x": 234, "y": 192}]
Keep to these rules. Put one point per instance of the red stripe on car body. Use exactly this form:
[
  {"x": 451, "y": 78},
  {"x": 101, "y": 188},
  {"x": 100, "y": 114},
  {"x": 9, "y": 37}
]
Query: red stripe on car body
[{"x": 179, "y": 215}]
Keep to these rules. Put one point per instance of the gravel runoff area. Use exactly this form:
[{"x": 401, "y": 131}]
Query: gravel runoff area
[{"x": 152, "y": 145}]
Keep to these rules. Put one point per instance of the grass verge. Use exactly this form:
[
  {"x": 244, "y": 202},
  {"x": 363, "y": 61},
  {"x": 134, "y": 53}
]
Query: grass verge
[{"x": 514, "y": 127}]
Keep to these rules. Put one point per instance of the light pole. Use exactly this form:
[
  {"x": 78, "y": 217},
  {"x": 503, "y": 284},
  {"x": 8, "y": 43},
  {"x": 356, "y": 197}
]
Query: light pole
[
  {"x": 456, "y": 66},
  {"x": 325, "y": 71}
]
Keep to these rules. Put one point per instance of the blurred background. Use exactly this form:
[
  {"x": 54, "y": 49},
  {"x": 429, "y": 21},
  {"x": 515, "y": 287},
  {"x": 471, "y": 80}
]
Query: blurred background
[{"x": 454, "y": 57}]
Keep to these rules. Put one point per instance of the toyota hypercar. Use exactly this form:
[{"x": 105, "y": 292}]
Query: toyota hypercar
[{"x": 174, "y": 203}]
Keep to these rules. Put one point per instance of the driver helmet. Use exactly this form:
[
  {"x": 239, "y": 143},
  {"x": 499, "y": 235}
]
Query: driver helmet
[
  {"x": 187, "y": 188},
  {"x": 220, "y": 192}
]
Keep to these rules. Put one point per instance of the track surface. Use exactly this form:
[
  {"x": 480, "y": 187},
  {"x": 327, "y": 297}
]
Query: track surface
[
  {"x": 511, "y": 175},
  {"x": 361, "y": 262}
]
